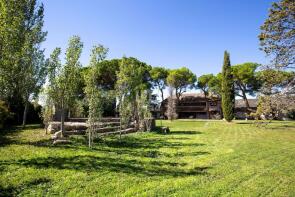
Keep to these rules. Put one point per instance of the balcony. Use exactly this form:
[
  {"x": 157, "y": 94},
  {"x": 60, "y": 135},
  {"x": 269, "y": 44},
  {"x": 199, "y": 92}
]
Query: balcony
[{"x": 190, "y": 108}]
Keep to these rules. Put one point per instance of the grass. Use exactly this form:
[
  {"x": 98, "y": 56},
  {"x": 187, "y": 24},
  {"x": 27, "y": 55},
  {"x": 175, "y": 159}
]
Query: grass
[{"x": 198, "y": 158}]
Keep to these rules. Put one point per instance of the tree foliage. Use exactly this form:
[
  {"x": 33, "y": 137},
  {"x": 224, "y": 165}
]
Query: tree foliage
[
  {"x": 4, "y": 113},
  {"x": 159, "y": 76},
  {"x": 273, "y": 80},
  {"x": 277, "y": 37},
  {"x": 181, "y": 79},
  {"x": 94, "y": 91},
  {"x": 64, "y": 79},
  {"x": 215, "y": 85},
  {"x": 245, "y": 80},
  {"x": 133, "y": 80},
  {"x": 228, "y": 94},
  {"x": 204, "y": 82},
  {"x": 22, "y": 68}
]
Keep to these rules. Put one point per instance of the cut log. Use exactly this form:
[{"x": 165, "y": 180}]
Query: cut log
[
  {"x": 55, "y": 126},
  {"x": 106, "y": 119}
]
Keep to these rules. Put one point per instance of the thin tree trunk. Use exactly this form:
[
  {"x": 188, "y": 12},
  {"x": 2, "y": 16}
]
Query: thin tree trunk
[
  {"x": 62, "y": 121},
  {"x": 207, "y": 106},
  {"x": 120, "y": 129},
  {"x": 244, "y": 96},
  {"x": 162, "y": 95},
  {"x": 25, "y": 114},
  {"x": 89, "y": 135},
  {"x": 136, "y": 115},
  {"x": 246, "y": 100}
]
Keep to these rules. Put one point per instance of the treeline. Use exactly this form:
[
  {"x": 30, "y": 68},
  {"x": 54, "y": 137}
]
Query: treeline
[
  {"x": 22, "y": 61},
  {"x": 94, "y": 90}
]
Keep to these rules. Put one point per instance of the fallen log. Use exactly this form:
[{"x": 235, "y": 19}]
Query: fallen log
[{"x": 55, "y": 126}]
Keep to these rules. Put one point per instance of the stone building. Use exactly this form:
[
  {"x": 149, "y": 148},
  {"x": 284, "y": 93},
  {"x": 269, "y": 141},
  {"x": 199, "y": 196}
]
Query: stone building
[{"x": 196, "y": 106}]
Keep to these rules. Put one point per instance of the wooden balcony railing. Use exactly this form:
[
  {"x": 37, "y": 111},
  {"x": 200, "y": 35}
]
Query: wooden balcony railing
[{"x": 190, "y": 108}]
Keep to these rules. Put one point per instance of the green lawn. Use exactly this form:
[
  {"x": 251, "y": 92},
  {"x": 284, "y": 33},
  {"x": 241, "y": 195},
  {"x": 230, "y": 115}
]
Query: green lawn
[{"x": 198, "y": 158}]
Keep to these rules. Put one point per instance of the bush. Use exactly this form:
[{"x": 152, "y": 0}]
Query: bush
[
  {"x": 291, "y": 114},
  {"x": 4, "y": 113}
]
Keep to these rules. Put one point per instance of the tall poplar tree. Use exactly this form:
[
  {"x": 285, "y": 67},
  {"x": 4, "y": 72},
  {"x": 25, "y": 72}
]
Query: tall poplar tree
[
  {"x": 94, "y": 93},
  {"x": 64, "y": 79},
  {"x": 228, "y": 91},
  {"x": 33, "y": 70},
  {"x": 22, "y": 68}
]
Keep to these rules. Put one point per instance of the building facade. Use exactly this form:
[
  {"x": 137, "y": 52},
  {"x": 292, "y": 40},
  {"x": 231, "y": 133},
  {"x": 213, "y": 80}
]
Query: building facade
[{"x": 196, "y": 106}]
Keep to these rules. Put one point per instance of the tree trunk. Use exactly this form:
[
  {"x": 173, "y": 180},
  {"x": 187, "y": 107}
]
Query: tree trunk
[
  {"x": 25, "y": 114},
  {"x": 246, "y": 100},
  {"x": 136, "y": 117},
  {"x": 207, "y": 107},
  {"x": 62, "y": 121},
  {"x": 162, "y": 95},
  {"x": 89, "y": 135}
]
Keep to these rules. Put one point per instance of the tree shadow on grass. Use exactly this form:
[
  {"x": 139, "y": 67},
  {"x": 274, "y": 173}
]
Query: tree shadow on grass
[
  {"x": 8, "y": 135},
  {"x": 129, "y": 145},
  {"x": 95, "y": 164},
  {"x": 182, "y": 132},
  {"x": 185, "y": 132},
  {"x": 15, "y": 190},
  {"x": 148, "y": 143},
  {"x": 149, "y": 153}
]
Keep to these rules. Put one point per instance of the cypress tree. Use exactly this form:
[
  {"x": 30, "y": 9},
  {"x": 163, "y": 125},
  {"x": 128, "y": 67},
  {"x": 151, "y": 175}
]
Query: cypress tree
[{"x": 228, "y": 94}]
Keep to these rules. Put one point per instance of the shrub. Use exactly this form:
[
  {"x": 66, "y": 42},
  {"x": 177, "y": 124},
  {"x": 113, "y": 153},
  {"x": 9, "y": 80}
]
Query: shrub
[
  {"x": 4, "y": 113},
  {"x": 291, "y": 114}
]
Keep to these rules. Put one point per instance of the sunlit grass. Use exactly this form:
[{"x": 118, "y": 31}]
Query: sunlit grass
[{"x": 198, "y": 158}]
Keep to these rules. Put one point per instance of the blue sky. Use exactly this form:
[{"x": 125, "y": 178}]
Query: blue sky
[{"x": 170, "y": 33}]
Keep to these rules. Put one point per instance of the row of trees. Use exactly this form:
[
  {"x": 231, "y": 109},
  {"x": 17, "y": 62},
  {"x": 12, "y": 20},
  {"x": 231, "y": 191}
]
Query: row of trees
[
  {"x": 128, "y": 82},
  {"x": 22, "y": 62}
]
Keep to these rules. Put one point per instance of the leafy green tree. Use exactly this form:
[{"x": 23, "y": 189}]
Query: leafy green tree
[
  {"x": 106, "y": 76},
  {"x": 22, "y": 70},
  {"x": 34, "y": 68},
  {"x": 245, "y": 80},
  {"x": 144, "y": 112},
  {"x": 133, "y": 79},
  {"x": 181, "y": 79},
  {"x": 64, "y": 79},
  {"x": 203, "y": 83},
  {"x": 215, "y": 85},
  {"x": 278, "y": 33},
  {"x": 4, "y": 113},
  {"x": 94, "y": 93},
  {"x": 273, "y": 80},
  {"x": 11, "y": 40},
  {"x": 159, "y": 76},
  {"x": 228, "y": 93}
]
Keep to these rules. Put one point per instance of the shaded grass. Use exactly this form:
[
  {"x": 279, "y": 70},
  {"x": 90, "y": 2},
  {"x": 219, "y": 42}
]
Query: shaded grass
[{"x": 198, "y": 158}]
